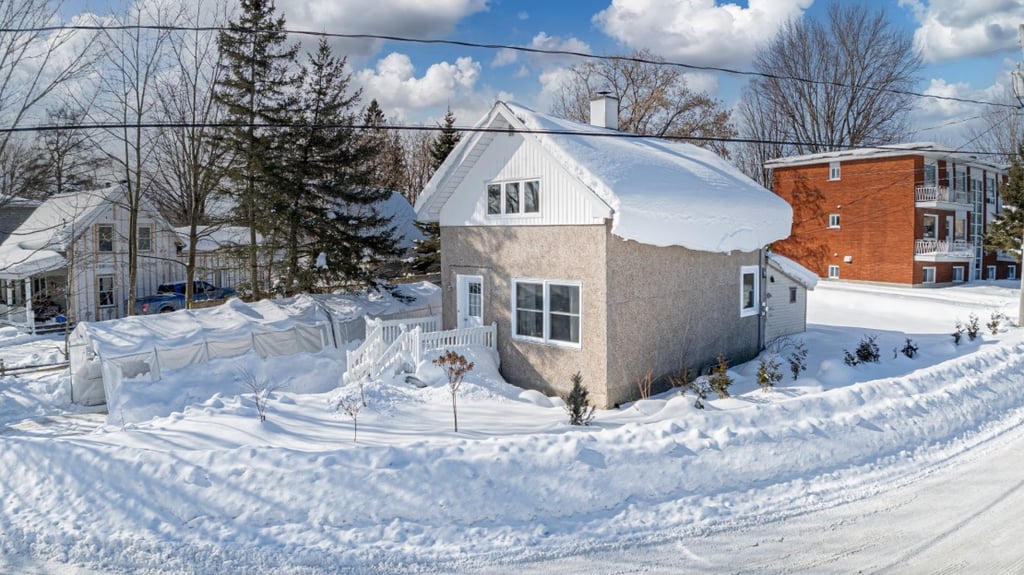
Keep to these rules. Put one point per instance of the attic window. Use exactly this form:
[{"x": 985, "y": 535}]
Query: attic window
[
  {"x": 104, "y": 238},
  {"x": 519, "y": 197},
  {"x": 833, "y": 171}
]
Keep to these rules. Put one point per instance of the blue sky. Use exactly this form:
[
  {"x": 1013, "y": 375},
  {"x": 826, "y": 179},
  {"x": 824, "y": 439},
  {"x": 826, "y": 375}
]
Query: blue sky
[{"x": 969, "y": 47}]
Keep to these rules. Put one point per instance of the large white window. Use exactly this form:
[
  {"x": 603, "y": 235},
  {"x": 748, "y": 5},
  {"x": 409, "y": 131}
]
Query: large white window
[
  {"x": 833, "y": 171},
  {"x": 931, "y": 174},
  {"x": 547, "y": 311},
  {"x": 513, "y": 198},
  {"x": 928, "y": 275},
  {"x": 749, "y": 294},
  {"x": 958, "y": 274},
  {"x": 144, "y": 239},
  {"x": 833, "y": 221},
  {"x": 105, "y": 290},
  {"x": 833, "y": 272}
]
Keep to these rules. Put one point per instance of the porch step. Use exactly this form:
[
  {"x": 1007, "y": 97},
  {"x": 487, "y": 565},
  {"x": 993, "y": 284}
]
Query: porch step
[{"x": 415, "y": 381}]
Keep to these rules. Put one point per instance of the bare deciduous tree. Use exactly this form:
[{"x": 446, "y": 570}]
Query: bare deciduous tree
[
  {"x": 654, "y": 100},
  {"x": 70, "y": 160},
  {"x": 834, "y": 84},
  {"x": 34, "y": 63}
]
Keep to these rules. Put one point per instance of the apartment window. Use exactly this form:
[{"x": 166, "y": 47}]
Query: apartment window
[
  {"x": 1011, "y": 272},
  {"x": 833, "y": 272},
  {"x": 144, "y": 238},
  {"x": 792, "y": 294},
  {"x": 748, "y": 291},
  {"x": 546, "y": 311},
  {"x": 958, "y": 274},
  {"x": 833, "y": 171},
  {"x": 833, "y": 221},
  {"x": 960, "y": 227},
  {"x": 931, "y": 174},
  {"x": 104, "y": 238},
  {"x": 990, "y": 272},
  {"x": 928, "y": 275},
  {"x": 105, "y": 290},
  {"x": 931, "y": 227},
  {"x": 513, "y": 198}
]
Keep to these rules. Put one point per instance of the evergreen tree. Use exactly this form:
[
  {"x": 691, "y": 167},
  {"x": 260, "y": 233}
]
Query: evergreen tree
[
  {"x": 428, "y": 250},
  {"x": 333, "y": 233},
  {"x": 1004, "y": 233},
  {"x": 255, "y": 90},
  {"x": 389, "y": 166}
]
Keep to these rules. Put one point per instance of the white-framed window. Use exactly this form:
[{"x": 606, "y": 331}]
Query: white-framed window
[
  {"x": 960, "y": 226},
  {"x": 521, "y": 197},
  {"x": 928, "y": 275},
  {"x": 105, "y": 290},
  {"x": 547, "y": 311},
  {"x": 144, "y": 238},
  {"x": 749, "y": 293},
  {"x": 958, "y": 274},
  {"x": 792, "y": 294},
  {"x": 833, "y": 171},
  {"x": 1011, "y": 272},
  {"x": 930, "y": 227},
  {"x": 990, "y": 272},
  {"x": 833, "y": 272},
  {"x": 104, "y": 238},
  {"x": 833, "y": 221},
  {"x": 931, "y": 174}
]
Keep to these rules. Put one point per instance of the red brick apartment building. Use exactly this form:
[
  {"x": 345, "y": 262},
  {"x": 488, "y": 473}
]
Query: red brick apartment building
[{"x": 905, "y": 214}]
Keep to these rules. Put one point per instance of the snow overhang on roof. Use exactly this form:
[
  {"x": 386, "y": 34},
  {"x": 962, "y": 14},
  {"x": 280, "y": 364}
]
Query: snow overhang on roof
[
  {"x": 926, "y": 149},
  {"x": 661, "y": 192},
  {"x": 797, "y": 272}
]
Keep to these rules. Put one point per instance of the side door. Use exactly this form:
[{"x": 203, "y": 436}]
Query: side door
[{"x": 469, "y": 301}]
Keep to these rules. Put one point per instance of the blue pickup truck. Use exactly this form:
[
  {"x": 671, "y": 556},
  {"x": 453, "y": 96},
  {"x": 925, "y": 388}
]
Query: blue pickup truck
[{"x": 171, "y": 297}]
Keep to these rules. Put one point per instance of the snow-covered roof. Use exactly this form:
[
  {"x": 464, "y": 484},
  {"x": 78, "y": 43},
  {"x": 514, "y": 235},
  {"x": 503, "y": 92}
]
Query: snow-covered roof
[
  {"x": 38, "y": 244},
  {"x": 926, "y": 149},
  {"x": 403, "y": 217},
  {"x": 799, "y": 273},
  {"x": 661, "y": 192},
  {"x": 213, "y": 238}
]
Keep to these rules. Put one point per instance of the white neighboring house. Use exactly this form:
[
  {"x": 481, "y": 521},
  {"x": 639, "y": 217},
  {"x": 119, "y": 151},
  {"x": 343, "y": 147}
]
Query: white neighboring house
[
  {"x": 71, "y": 257},
  {"x": 787, "y": 287},
  {"x": 222, "y": 256}
]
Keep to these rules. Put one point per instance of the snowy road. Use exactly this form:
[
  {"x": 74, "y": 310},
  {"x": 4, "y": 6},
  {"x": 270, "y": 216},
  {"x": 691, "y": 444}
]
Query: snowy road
[{"x": 974, "y": 510}]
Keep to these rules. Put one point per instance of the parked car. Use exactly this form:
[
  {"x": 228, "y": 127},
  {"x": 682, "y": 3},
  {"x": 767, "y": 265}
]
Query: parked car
[{"x": 171, "y": 297}]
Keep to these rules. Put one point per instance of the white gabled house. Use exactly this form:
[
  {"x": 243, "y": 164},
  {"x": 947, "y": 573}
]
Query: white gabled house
[
  {"x": 71, "y": 255},
  {"x": 600, "y": 252}
]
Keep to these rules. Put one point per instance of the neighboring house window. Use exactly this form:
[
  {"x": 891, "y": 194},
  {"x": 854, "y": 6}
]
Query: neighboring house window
[
  {"x": 513, "y": 198},
  {"x": 960, "y": 227},
  {"x": 105, "y": 290},
  {"x": 990, "y": 272},
  {"x": 1011, "y": 272},
  {"x": 144, "y": 239},
  {"x": 833, "y": 272},
  {"x": 748, "y": 291},
  {"x": 792, "y": 294},
  {"x": 931, "y": 227},
  {"x": 833, "y": 220},
  {"x": 546, "y": 311},
  {"x": 931, "y": 174},
  {"x": 958, "y": 274},
  {"x": 928, "y": 276},
  {"x": 105, "y": 238},
  {"x": 833, "y": 171}
]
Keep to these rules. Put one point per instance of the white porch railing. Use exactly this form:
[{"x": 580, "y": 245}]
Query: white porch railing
[
  {"x": 942, "y": 247},
  {"x": 397, "y": 344},
  {"x": 940, "y": 194}
]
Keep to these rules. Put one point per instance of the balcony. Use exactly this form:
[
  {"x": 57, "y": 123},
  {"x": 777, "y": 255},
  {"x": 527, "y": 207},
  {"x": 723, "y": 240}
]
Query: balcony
[
  {"x": 942, "y": 250},
  {"x": 941, "y": 198}
]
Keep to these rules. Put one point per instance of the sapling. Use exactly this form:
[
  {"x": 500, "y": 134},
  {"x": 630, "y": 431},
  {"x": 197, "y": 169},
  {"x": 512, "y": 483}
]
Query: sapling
[
  {"x": 994, "y": 322},
  {"x": 261, "y": 388},
  {"x": 719, "y": 378},
  {"x": 455, "y": 367},
  {"x": 351, "y": 405},
  {"x": 909, "y": 349},
  {"x": 768, "y": 373},
  {"x": 972, "y": 327},
  {"x": 577, "y": 403},
  {"x": 958, "y": 332},
  {"x": 797, "y": 360}
]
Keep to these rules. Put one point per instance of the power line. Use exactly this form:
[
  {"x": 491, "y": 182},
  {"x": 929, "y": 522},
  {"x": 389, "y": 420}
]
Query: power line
[{"x": 512, "y": 47}]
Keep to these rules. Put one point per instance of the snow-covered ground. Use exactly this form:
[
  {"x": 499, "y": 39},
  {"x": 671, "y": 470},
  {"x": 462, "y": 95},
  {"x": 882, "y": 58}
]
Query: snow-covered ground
[{"x": 208, "y": 488}]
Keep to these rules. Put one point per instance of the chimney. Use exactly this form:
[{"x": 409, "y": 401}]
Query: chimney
[{"x": 604, "y": 111}]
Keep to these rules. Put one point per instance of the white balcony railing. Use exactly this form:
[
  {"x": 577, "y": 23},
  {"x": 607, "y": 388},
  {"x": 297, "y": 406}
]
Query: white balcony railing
[
  {"x": 959, "y": 248},
  {"x": 940, "y": 194}
]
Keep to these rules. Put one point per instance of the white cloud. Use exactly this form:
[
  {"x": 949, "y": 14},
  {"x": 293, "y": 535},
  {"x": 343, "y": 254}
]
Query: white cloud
[
  {"x": 948, "y": 121},
  {"x": 394, "y": 84},
  {"x": 951, "y": 29},
  {"x": 699, "y": 32},
  {"x": 504, "y": 57}
]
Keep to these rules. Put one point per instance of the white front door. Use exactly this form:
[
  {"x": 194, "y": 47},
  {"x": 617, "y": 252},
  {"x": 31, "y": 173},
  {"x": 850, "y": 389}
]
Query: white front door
[{"x": 470, "y": 301}]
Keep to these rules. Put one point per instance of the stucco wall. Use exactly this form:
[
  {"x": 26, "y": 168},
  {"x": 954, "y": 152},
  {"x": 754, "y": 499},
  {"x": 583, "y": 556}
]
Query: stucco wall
[
  {"x": 501, "y": 253},
  {"x": 671, "y": 306}
]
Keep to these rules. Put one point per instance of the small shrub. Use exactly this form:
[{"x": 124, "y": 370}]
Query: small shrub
[
  {"x": 798, "y": 360},
  {"x": 867, "y": 350},
  {"x": 848, "y": 359},
  {"x": 645, "y": 382},
  {"x": 994, "y": 322},
  {"x": 972, "y": 327},
  {"x": 701, "y": 388},
  {"x": 261, "y": 389},
  {"x": 350, "y": 406},
  {"x": 719, "y": 379},
  {"x": 455, "y": 367},
  {"x": 768, "y": 373},
  {"x": 577, "y": 403},
  {"x": 909, "y": 349},
  {"x": 683, "y": 378},
  {"x": 958, "y": 333}
]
